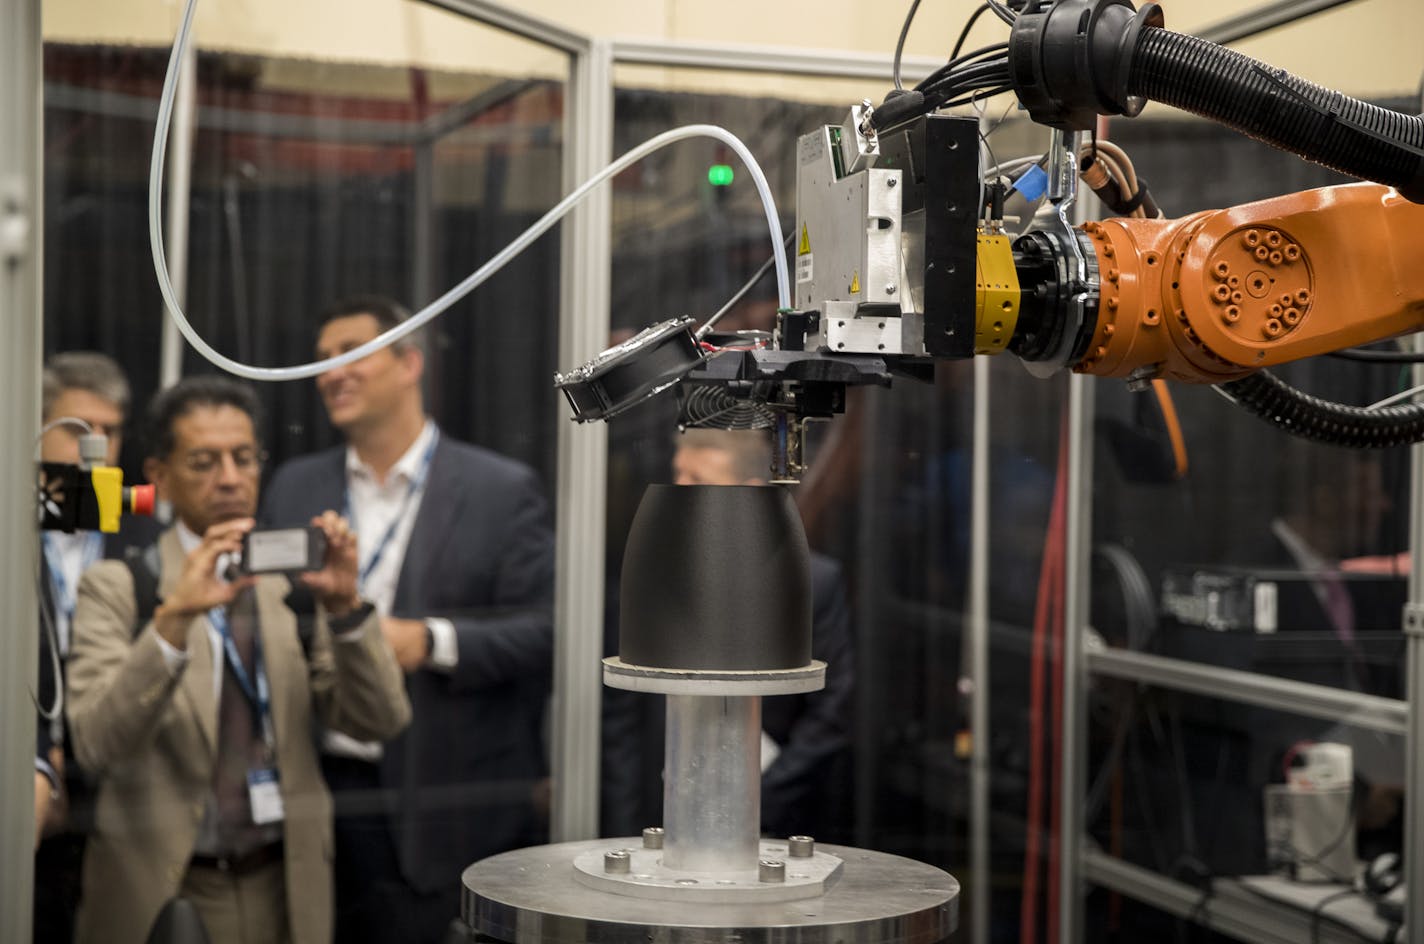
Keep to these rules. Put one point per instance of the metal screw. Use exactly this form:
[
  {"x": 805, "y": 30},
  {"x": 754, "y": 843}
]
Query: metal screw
[
  {"x": 891, "y": 182},
  {"x": 890, "y": 289},
  {"x": 617, "y": 862},
  {"x": 653, "y": 837},
  {"x": 771, "y": 870},
  {"x": 802, "y": 847}
]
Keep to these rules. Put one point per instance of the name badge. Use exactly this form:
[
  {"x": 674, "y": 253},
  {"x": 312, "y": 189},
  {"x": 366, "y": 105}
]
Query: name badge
[{"x": 265, "y": 796}]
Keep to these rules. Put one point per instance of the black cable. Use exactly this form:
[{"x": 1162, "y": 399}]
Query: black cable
[
  {"x": 969, "y": 25},
  {"x": 1318, "y": 858},
  {"x": 977, "y": 84},
  {"x": 1377, "y": 357},
  {"x": 1001, "y": 11},
  {"x": 900, "y": 43},
  {"x": 984, "y": 85},
  {"x": 747, "y": 287},
  {"x": 977, "y": 96},
  {"x": 1271, "y": 105},
  {"x": 959, "y": 62},
  {"x": 1146, "y": 801},
  {"x": 968, "y": 75},
  {"x": 1339, "y": 424},
  {"x": 1318, "y": 913}
]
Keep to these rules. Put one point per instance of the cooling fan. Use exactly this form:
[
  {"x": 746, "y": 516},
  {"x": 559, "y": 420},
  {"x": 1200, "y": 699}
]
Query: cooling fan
[{"x": 706, "y": 406}]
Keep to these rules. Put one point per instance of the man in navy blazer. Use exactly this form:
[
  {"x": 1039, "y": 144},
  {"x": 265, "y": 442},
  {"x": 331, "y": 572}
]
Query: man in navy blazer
[{"x": 457, "y": 552}]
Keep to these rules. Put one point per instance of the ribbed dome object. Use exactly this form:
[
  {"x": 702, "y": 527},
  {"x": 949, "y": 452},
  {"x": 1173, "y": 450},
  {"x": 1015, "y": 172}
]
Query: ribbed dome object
[{"x": 716, "y": 577}]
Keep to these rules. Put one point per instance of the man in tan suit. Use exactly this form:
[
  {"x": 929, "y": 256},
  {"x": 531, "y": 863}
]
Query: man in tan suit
[{"x": 198, "y": 724}]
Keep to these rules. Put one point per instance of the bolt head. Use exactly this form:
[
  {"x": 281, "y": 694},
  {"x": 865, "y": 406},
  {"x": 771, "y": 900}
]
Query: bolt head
[{"x": 771, "y": 870}]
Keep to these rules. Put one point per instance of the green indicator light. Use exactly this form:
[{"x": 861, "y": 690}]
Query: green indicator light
[{"x": 719, "y": 175}]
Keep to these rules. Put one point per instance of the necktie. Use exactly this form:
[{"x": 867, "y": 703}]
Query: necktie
[{"x": 240, "y": 744}]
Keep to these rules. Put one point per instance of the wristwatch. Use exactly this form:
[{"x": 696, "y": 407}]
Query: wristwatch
[{"x": 349, "y": 621}]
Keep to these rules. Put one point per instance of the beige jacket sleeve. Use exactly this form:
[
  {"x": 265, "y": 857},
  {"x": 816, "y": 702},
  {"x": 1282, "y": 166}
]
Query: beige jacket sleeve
[
  {"x": 119, "y": 684},
  {"x": 357, "y": 685}
]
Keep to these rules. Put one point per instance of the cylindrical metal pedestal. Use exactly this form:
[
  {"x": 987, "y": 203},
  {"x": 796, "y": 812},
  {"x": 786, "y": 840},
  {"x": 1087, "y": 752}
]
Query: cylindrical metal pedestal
[
  {"x": 532, "y": 895},
  {"x": 712, "y": 783}
]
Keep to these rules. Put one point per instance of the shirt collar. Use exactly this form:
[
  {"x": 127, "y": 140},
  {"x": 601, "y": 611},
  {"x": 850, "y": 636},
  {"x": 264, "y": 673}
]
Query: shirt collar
[
  {"x": 407, "y": 467},
  {"x": 188, "y": 539}
]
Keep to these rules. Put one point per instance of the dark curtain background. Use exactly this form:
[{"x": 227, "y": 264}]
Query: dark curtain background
[{"x": 281, "y": 226}]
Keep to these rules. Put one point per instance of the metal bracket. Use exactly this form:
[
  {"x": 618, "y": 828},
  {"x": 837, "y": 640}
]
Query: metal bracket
[{"x": 1414, "y": 619}]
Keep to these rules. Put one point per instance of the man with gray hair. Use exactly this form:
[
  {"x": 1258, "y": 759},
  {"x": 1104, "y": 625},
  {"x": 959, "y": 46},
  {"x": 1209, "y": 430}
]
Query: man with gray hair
[{"x": 82, "y": 391}]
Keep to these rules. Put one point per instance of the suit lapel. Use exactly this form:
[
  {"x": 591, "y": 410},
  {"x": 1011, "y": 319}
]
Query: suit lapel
[
  {"x": 196, "y": 687},
  {"x": 439, "y": 510},
  {"x": 330, "y": 486}
]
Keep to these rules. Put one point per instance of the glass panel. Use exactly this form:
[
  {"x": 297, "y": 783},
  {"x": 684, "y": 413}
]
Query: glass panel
[
  {"x": 315, "y": 179},
  {"x": 1269, "y": 555},
  {"x": 389, "y": 159}
]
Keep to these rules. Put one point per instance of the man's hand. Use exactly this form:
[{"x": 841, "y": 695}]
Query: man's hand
[
  {"x": 51, "y": 802},
  {"x": 43, "y": 798},
  {"x": 199, "y": 587},
  {"x": 409, "y": 639},
  {"x": 335, "y": 584}
]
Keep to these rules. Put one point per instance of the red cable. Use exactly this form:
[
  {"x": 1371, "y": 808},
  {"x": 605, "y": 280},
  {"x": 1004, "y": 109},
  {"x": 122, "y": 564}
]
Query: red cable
[
  {"x": 1055, "y": 635},
  {"x": 1050, "y": 566},
  {"x": 1028, "y": 909}
]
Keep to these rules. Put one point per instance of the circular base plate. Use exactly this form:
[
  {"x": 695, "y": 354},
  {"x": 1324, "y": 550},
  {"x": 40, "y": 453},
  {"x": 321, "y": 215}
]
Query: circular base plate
[
  {"x": 532, "y": 895},
  {"x": 641, "y": 678}
]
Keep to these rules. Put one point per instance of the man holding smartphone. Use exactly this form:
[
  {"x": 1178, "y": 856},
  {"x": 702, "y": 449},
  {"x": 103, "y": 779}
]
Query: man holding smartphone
[{"x": 192, "y": 699}]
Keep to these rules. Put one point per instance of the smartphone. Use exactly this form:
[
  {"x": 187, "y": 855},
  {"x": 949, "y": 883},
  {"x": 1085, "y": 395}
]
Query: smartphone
[{"x": 283, "y": 550}]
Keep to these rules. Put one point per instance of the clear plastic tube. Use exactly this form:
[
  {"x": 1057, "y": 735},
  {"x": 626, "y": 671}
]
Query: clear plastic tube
[{"x": 500, "y": 259}]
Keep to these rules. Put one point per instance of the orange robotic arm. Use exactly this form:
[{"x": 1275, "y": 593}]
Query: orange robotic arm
[{"x": 1214, "y": 296}]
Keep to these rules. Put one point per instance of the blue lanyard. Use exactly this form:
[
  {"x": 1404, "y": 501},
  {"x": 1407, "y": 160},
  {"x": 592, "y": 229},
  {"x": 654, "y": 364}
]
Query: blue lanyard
[
  {"x": 66, "y": 597},
  {"x": 260, "y": 695},
  {"x": 416, "y": 484}
]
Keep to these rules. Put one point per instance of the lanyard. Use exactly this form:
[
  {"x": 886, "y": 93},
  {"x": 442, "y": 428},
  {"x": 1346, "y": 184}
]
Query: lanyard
[
  {"x": 65, "y": 596},
  {"x": 259, "y": 694},
  {"x": 417, "y": 482}
]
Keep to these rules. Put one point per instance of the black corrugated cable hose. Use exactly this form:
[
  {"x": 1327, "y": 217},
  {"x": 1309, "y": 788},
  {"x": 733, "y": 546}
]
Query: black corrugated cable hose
[
  {"x": 1301, "y": 414},
  {"x": 1283, "y": 110}
]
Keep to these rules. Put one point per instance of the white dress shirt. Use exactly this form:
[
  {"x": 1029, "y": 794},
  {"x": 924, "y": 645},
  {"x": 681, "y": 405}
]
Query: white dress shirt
[
  {"x": 383, "y": 514},
  {"x": 67, "y": 556}
]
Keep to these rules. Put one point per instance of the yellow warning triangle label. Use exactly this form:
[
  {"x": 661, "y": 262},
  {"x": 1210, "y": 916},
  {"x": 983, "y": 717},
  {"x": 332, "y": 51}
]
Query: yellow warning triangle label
[
  {"x": 855, "y": 283},
  {"x": 805, "y": 248}
]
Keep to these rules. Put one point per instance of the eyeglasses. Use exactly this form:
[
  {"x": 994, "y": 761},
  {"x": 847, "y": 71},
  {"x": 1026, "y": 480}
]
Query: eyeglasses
[{"x": 206, "y": 461}]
